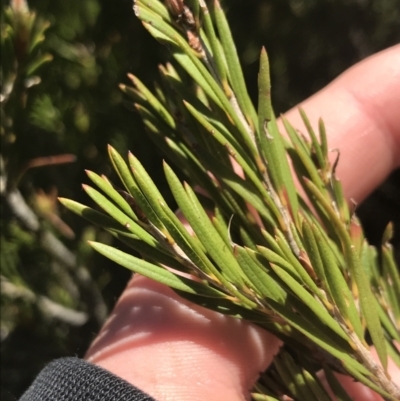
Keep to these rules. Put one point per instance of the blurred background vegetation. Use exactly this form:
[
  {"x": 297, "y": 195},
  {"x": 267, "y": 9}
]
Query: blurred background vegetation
[{"x": 61, "y": 62}]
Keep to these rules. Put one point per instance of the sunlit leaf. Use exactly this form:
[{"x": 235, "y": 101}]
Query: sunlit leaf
[{"x": 154, "y": 272}]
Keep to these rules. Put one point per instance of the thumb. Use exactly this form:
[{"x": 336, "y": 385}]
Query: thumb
[{"x": 173, "y": 349}]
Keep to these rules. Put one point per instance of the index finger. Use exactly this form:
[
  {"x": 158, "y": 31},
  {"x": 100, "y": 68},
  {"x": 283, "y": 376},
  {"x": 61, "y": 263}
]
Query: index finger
[{"x": 361, "y": 112}]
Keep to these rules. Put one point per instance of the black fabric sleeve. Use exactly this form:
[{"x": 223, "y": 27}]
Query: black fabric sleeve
[{"x": 72, "y": 379}]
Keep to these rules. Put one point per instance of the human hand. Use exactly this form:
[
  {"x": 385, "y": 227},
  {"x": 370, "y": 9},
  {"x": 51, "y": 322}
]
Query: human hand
[{"x": 175, "y": 350}]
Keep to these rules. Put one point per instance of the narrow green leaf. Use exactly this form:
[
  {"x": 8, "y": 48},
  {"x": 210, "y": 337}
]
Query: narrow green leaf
[
  {"x": 211, "y": 240},
  {"x": 160, "y": 94},
  {"x": 133, "y": 94},
  {"x": 224, "y": 137},
  {"x": 222, "y": 229},
  {"x": 293, "y": 260},
  {"x": 146, "y": 185},
  {"x": 313, "y": 253},
  {"x": 153, "y": 101},
  {"x": 243, "y": 216},
  {"x": 37, "y": 63},
  {"x": 292, "y": 380},
  {"x": 314, "y": 141},
  {"x": 109, "y": 223},
  {"x": 333, "y": 244},
  {"x": 392, "y": 279},
  {"x": 388, "y": 325},
  {"x": 108, "y": 189},
  {"x": 93, "y": 216},
  {"x": 304, "y": 156},
  {"x": 263, "y": 397},
  {"x": 320, "y": 338},
  {"x": 323, "y": 138},
  {"x": 305, "y": 297},
  {"x": 153, "y": 122},
  {"x": 272, "y": 257},
  {"x": 215, "y": 46},
  {"x": 109, "y": 207},
  {"x": 235, "y": 71},
  {"x": 265, "y": 112},
  {"x": 388, "y": 234},
  {"x": 270, "y": 142},
  {"x": 244, "y": 189},
  {"x": 156, "y": 273},
  {"x": 340, "y": 200},
  {"x": 337, "y": 389},
  {"x": 315, "y": 386},
  {"x": 231, "y": 306},
  {"x": 338, "y": 287},
  {"x": 364, "y": 379},
  {"x": 157, "y": 7},
  {"x": 303, "y": 385},
  {"x": 234, "y": 149},
  {"x": 199, "y": 76},
  {"x": 190, "y": 245},
  {"x": 159, "y": 256},
  {"x": 272, "y": 244},
  {"x": 261, "y": 281},
  {"x": 393, "y": 352},
  {"x": 190, "y": 96},
  {"x": 132, "y": 187},
  {"x": 368, "y": 309},
  {"x": 199, "y": 173},
  {"x": 38, "y": 34},
  {"x": 198, "y": 247},
  {"x": 208, "y": 236}
]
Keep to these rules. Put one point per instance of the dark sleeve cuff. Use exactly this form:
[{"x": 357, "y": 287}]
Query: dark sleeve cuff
[{"x": 72, "y": 379}]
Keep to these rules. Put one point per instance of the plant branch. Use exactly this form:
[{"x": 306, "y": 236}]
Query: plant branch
[
  {"x": 53, "y": 246},
  {"x": 47, "y": 307}
]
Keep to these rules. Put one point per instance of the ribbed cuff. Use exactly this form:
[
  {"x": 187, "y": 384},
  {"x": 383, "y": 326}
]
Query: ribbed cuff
[{"x": 73, "y": 379}]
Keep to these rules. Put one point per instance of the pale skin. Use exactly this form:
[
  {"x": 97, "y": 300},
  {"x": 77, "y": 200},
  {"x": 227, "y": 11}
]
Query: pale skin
[{"x": 174, "y": 350}]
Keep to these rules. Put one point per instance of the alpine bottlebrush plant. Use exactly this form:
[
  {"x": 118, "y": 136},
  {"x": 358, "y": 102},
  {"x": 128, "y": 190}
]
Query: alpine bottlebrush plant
[{"x": 297, "y": 265}]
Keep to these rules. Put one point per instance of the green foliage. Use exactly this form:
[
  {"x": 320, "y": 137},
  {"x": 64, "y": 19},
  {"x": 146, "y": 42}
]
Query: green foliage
[
  {"x": 274, "y": 263},
  {"x": 45, "y": 116},
  {"x": 61, "y": 64},
  {"x": 51, "y": 109}
]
